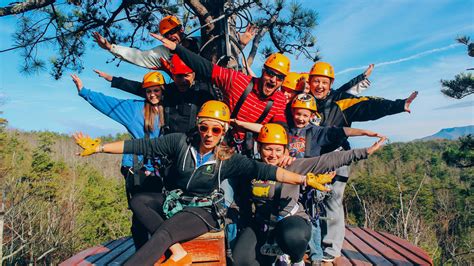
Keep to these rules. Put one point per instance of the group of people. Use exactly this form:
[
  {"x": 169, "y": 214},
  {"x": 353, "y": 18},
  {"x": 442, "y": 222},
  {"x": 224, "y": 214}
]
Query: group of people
[{"x": 260, "y": 157}]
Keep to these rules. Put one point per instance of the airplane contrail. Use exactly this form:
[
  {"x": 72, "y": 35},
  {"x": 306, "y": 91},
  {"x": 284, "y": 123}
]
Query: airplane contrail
[{"x": 401, "y": 59}]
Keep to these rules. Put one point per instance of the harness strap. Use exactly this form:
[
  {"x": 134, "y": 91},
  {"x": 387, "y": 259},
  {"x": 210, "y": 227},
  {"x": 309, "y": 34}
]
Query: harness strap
[{"x": 241, "y": 100}]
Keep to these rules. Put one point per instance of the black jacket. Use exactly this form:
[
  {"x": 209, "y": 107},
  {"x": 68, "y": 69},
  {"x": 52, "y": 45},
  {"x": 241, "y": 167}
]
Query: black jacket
[
  {"x": 202, "y": 180},
  {"x": 180, "y": 109}
]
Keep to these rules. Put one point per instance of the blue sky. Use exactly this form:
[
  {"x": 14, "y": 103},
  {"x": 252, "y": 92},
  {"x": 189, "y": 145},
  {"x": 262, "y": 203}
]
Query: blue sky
[{"x": 411, "y": 43}]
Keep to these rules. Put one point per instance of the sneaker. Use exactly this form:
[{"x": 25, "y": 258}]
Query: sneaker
[{"x": 328, "y": 257}]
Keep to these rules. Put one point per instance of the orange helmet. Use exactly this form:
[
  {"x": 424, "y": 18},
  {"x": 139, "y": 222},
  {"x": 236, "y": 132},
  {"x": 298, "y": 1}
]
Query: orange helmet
[
  {"x": 291, "y": 82},
  {"x": 278, "y": 62},
  {"x": 272, "y": 133},
  {"x": 168, "y": 23},
  {"x": 322, "y": 69},
  {"x": 152, "y": 79},
  {"x": 215, "y": 110},
  {"x": 304, "y": 101},
  {"x": 178, "y": 66}
]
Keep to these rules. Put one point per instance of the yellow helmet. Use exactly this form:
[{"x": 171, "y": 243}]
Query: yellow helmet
[
  {"x": 168, "y": 23},
  {"x": 291, "y": 82},
  {"x": 304, "y": 101},
  {"x": 322, "y": 69},
  {"x": 278, "y": 62},
  {"x": 273, "y": 134},
  {"x": 215, "y": 110},
  {"x": 152, "y": 79},
  {"x": 305, "y": 75}
]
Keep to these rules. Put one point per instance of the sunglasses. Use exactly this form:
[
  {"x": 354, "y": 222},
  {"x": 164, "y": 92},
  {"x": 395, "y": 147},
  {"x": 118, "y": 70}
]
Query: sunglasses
[
  {"x": 172, "y": 31},
  {"x": 215, "y": 130},
  {"x": 274, "y": 74},
  {"x": 148, "y": 91}
]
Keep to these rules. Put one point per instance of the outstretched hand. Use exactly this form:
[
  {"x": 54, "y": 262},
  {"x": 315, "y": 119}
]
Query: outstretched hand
[
  {"x": 89, "y": 145},
  {"x": 104, "y": 75},
  {"x": 77, "y": 81},
  {"x": 409, "y": 100},
  {"x": 248, "y": 35},
  {"x": 369, "y": 133},
  {"x": 166, "y": 42},
  {"x": 318, "y": 181},
  {"x": 377, "y": 145},
  {"x": 369, "y": 70},
  {"x": 101, "y": 41}
]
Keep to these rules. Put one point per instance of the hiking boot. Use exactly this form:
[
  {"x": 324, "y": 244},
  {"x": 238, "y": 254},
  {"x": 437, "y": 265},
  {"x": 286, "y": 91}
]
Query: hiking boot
[{"x": 328, "y": 257}]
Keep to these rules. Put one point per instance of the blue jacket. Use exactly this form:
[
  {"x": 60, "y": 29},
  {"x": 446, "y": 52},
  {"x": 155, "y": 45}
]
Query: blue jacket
[
  {"x": 129, "y": 113},
  {"x": 308, "y": 141}
]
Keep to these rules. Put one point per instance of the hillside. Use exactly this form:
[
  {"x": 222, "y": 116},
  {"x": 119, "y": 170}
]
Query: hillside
[{"x": 451, "y": 133}]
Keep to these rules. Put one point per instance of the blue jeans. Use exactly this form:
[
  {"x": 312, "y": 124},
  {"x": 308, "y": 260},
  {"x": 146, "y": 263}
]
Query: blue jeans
[{"x": 316, "y": 250}]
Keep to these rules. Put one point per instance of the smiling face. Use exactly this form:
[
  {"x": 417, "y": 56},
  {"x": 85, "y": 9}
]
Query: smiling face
[
  {"x": 211, "y": 132},
  {"x": 153, "y": 94},
  {"x": 320, "y": 86},
  {"x": 184, "y": 81},
  {"x": 289, "y": 94},
  {"x": 272, "y": 153},
  {"x": 175, "y": 35},
  {"x": 270, "y": 81},
  {"x": 301, "y": 117}
]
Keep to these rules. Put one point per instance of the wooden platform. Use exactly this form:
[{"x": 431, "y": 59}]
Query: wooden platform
[{"x": 362, "y": 246}]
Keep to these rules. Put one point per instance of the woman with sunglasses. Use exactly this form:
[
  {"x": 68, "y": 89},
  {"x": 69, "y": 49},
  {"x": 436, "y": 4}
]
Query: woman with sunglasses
[
  {"x": 141, "y": 118},
  {"x": 200, "y": 162},
  {"x": 281, "y": 224}
]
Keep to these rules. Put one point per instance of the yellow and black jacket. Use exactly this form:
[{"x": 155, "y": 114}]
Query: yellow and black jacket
[{"x": 340, "y": 109}]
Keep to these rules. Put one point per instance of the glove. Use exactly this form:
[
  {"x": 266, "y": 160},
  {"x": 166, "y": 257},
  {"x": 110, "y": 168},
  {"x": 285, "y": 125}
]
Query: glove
[
  {"x": 89, "y": 145},
  {"x": 318, "y": 181}
]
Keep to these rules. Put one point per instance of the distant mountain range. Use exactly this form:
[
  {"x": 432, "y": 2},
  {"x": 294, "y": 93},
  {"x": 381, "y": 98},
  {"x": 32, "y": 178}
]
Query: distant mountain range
[{"x": 451, "y": 133}]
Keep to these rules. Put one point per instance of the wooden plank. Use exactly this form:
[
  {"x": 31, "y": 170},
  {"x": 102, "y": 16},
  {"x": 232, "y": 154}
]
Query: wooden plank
[
  {"x": 110, "y": 246},
  {"x": 87, "y": 262},
  {"x": 366, "y": 250},
  {"x": 115, "y": 251},
  {"x": 352, "y": 255},
  {"x": 124, "y": 256},
  {"x": 206, "y": 250},
  {"x": 343, "y": 261},
  {"x": 79, "y": 257},
  {"x": 420, "y": 253},
  {"x": 386, "y": 251}
]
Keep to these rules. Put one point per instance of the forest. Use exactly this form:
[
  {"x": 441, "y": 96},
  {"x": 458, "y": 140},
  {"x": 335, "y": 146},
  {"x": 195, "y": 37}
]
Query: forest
[{"x": 57, "y": 204}]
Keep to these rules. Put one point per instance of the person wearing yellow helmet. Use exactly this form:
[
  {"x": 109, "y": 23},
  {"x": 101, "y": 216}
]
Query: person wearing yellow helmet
[
  {"x": 288, "y": 227},
  {"x": 293, "y": 84},
  {"x": 141, "y": 118},
  {"x": 339, "y": 108},
  {"x": 200, "y": 161}
]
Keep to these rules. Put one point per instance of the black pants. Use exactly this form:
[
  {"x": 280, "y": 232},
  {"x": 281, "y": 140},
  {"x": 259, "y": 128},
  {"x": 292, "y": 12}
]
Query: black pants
[
  {"x": 292, "y": 235},
  {"x": 148, "y": 184},
  {"x": 184, "y": 225}
]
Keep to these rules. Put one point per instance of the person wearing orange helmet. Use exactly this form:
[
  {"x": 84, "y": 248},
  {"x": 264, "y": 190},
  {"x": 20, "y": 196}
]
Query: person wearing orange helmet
[
  {"x": 200, "y": 161},
  {"x": 256, "y": 100},
  {"x": 280, "y": 224},
  {"x": 158, "y": 57},
  {"x": 140, "y": 118},
  {"x": 340, "y": 109}
]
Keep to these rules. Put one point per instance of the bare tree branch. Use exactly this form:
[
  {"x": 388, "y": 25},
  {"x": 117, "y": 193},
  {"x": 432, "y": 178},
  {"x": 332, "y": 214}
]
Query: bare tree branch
[{"x": 22, "y": 7}]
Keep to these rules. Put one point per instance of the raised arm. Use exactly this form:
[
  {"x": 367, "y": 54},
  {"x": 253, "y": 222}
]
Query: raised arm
[
  {"x": 370, "y": 108},
  {"x": 254, "y": 127},
  {"x": 130, "y": 86},
  {"x": 358, "y": 84},
  {"x": 166, "y": 145},
  {"x": 147, "y": 59},
  {"x": 333, "y": 160}
]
